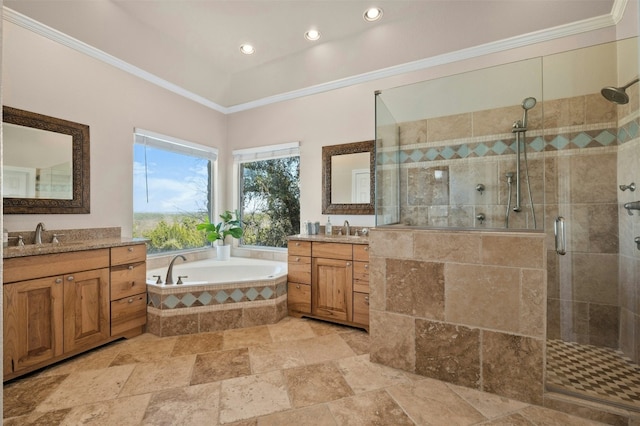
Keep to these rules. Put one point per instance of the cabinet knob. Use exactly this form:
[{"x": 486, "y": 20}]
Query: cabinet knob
[
  {"x": 70, "y": 278},
  {"x": 366, "y": 300},
  {"x": 366, "y": 248},
  {"x": 366, "y": 266},
  {"x": 131, "y": 267},
  {"x": 348, "y": 263},
  {"x": 298, "y": 286},
  {"x": 58, "y": 280},
  {"x": 130, "y": 300},
  {"x": 297, "y": 244},
  {"x": 297, "y": 259},
  {"x": 130, "y": 249}
]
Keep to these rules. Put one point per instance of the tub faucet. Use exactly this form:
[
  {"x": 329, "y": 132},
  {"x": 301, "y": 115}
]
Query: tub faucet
[
  {"x": 37, "y": 239},
  {"x": 346, "y": 227},
  {"x": 169, "y": 279}
]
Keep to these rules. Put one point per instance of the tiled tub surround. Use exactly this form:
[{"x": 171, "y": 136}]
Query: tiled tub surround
[
  {"x": 463, "y": 307},
  {"x": 176, "y": 310},
  {"x": 575, "y": 145}
]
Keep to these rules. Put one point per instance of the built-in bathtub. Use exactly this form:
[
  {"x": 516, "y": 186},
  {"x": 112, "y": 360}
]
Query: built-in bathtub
[{"x": 216, "y": 295}]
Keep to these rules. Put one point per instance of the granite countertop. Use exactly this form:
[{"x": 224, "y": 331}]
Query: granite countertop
[
  {"x": 68, "y": 246},
  {"x": 351, "y": 239}
]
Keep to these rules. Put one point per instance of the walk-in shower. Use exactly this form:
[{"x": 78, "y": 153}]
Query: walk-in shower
[{"x": 520, "y": 129}]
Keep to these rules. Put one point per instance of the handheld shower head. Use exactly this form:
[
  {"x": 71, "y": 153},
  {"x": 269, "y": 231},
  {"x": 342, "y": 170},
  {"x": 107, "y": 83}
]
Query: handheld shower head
[
  {"x": 617, "y": 95},
  {"x": 527, "y": 104}
]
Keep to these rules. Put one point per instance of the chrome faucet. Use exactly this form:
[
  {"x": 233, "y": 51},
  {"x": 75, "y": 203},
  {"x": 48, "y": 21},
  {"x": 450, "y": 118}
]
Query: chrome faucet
[
  {"x": 169, "y": 279},
  {"x": 346, "y": 227},
  {"x": 37, "y": 239}
]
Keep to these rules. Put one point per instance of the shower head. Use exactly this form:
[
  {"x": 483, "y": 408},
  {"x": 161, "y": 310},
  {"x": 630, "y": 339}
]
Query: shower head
[
  {"x": 617, "y": 95},
  {"x": 529, "y": 103}
]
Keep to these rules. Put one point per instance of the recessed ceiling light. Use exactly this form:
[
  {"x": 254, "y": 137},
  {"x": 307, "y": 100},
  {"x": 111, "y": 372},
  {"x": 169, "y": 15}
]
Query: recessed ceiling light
[
  {"x": 247, "y": 49},
  {"x": 372, "y": 14},
  {"x": 312, "y": 35}
]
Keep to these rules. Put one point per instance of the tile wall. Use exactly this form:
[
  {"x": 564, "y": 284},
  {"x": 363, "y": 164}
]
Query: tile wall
[{"x": 464, "y": 307}]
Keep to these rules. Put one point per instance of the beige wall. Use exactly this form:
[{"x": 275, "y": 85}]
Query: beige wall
[{"x": 48, "y": 78}]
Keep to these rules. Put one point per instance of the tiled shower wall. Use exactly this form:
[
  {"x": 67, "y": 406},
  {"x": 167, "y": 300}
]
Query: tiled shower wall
[
  {"x": 572, "y": 147},
  {"x": 466, "y": 307}
]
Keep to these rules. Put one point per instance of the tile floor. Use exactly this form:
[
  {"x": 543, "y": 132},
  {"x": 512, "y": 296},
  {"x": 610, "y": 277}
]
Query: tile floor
[{"x": 296, "y": 372}]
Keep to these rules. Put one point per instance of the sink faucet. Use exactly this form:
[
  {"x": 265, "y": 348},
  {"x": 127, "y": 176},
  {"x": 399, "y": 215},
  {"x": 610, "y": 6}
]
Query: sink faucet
[
  {"x": 346, "y": 227},
  {"x": 169, "y": 279},
  {"x": 37, "y": 239}
]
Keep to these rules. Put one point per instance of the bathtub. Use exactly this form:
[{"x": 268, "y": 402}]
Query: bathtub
[{"x": 216, "y": 296}]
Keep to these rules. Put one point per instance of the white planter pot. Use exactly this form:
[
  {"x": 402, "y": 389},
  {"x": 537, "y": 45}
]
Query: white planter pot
[{"x": 223, "y": 252}]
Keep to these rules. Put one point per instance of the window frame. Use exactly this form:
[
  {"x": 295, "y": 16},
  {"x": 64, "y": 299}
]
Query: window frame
[{"x": 248, "y": 155}]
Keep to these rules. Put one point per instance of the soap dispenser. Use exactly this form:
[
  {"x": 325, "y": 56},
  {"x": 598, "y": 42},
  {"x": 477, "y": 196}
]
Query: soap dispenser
[{"x": 327, "y": 227}]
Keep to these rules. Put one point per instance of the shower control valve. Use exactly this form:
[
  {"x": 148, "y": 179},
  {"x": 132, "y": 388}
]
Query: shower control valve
[
  {"x": 480, "y": 188},
  {"x": 631, "y": 187},
  {"x": 481, "y": 217},
  {"x": 637, "y": 241}
]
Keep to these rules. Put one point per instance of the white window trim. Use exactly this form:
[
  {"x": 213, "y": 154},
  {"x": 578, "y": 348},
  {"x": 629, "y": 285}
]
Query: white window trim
[{"x": 171, "y": 143}]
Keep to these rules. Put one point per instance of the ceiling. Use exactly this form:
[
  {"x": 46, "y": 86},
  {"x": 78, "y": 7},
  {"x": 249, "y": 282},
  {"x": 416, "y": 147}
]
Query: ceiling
[{"x": 192, "y": 46}]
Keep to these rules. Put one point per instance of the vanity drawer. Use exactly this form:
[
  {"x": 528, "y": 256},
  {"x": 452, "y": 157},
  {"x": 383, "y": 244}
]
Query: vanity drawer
[
  {"x": 128, "y": 254},
  {"x": 128, "y": 313},
  {"x": 332, "y": 251},
  {"x": 127, "y": 280},
  {"x": 299, "y": 248},
  {"x": 47, "y": 265},
  {"x": 361, "y": 277},
  {"x": 361, "y": 308},
  {"x": 299, "y": 269},
  {"x": 361, "y": 252},
  {"x": 299, "y": 297}
]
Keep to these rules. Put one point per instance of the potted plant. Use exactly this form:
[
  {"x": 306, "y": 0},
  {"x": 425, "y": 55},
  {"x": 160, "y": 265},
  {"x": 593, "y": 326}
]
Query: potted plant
[{"x": 219, "y": 232}]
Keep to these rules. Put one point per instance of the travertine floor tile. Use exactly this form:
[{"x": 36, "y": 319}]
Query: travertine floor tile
[
  {"x": 246, "y": 337},
  {"x": 156, "y": 376},
  {"x": 545, "y": 416},
  {"x": 290, "y": 330},
  {"x": 94, "y": 360},
  {"x": 48, "y": 418},
  {"x": 24, "y": 395},
  {"x": 197, "y": 344},
  {"x": 141, "y": 350},
  {"x": 87, "y": 387},
  {"x": 317, "y": 415},
  {"x": 323, "y": 348},
  {"x": 364, "y": 376},
  {"x": 192, "y": 405},
  {"x": 121, "y": 411},
  {"x": 490, "y": 405},
  {"x": 216, "y": 366},
  {"x": 432, "y": 402},
  {"x": 274, "y": 356},
  {"x": 374, "y": 408},
  {"x": 358, "y": 341},
  {"x": 253, "y": 396},
  {"x": 316, "y": 383}
]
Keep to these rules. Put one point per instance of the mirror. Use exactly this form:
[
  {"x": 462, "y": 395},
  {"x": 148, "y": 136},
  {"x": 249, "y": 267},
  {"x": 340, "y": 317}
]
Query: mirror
[
  {"x": 45, "y": 164},
  {"x": 348, "y": 178}
]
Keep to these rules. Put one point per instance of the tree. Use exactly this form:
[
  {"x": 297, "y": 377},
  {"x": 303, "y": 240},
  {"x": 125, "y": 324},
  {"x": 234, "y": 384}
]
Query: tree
[{"x": 270, "y": 201}]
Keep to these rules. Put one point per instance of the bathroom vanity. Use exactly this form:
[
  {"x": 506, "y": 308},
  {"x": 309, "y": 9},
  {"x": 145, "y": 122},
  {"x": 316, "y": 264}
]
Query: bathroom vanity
[
  {"x": 61, "y": 300},
  {"x": 328, "y": 279}
]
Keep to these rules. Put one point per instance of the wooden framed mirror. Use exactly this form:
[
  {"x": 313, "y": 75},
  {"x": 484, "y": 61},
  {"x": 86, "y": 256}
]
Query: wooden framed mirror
[
  {"x": 45, "y": 164},
  {"x": 348, "y": 178}
]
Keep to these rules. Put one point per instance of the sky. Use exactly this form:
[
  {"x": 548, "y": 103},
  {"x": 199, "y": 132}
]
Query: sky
[{"x": 176, "y": 183}]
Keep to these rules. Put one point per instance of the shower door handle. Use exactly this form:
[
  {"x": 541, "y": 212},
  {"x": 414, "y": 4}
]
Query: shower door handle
[{"x": 561, "y": 236}]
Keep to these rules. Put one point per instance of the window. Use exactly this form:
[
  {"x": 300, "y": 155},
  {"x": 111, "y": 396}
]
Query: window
[
  {"x": 269, "y": 194},
  {"x": 172, "y": 191}
]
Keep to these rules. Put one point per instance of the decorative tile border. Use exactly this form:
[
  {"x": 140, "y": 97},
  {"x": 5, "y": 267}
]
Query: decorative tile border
[{"x": 186, "y": 297}]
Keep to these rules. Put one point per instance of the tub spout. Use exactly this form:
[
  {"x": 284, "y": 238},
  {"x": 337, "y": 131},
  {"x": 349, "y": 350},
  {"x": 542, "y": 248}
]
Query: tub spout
[
  {"x": 169, "y": 279},
  {"x": 632, "y": 206}
]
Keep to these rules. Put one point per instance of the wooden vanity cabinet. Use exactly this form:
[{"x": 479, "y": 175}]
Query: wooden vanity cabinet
[
  {"x": 46, "y": 317},
  {"x": 59, "y": 305},
  {"x": 299, "y": 278},
  {"x": 128, "y": 289},
  {"x": 338, "y": 274}
]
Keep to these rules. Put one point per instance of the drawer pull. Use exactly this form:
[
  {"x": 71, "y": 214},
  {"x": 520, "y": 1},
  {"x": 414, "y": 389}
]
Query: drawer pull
[
  {"x": 130, "y": 249},
  {"x": 297, "y": 244},
  {"x": 131, "y": 267},
  {"x": 366, "y": 266},
  {"x": 130, "y": 300},
  {"x": 58, "y": 280},
  {"x": 298, "y": 286},
  {"x": 366, "y": 300},
  {"x": 366, "y": 248},
  {"x": 297, "y": 259},
  {"x": 348, "y": 263},
  {"x": 70, "y": 278}
]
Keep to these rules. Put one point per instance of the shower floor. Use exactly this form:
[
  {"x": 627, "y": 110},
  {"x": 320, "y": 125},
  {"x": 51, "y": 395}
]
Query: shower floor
[{"x": 595, "y": 373}]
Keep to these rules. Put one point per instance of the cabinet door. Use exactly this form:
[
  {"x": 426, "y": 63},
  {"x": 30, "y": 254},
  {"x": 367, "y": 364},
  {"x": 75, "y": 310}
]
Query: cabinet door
[
  {"x": 86, "y": 309},
  {"x": 332, "y": 287},
  {"x": 32, "y": 322}
]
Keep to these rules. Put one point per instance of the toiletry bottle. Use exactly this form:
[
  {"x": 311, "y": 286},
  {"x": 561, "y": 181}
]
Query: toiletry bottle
[{"x": 327, "y": 227}]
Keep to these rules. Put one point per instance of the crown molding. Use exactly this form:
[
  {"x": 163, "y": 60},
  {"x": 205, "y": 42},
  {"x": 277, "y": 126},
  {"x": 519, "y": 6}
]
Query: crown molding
[{"x": 586, "y": 25}]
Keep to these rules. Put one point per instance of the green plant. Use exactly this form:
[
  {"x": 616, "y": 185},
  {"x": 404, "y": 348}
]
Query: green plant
[{"x": 220, "y": 230}]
